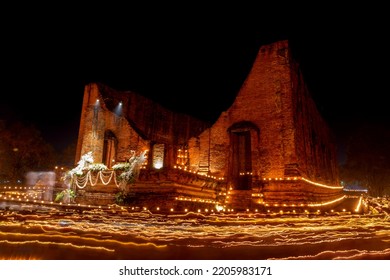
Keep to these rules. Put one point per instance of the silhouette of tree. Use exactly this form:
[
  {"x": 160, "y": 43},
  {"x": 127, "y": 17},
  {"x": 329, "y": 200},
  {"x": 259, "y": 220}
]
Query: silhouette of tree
[
  {"x": 23, "y": 149},
  {"x": 67, "y": 156},
  {"x": 368, "y": 158}
]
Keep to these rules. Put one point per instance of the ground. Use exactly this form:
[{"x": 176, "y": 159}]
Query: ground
[{"x": 33, "y": 231}]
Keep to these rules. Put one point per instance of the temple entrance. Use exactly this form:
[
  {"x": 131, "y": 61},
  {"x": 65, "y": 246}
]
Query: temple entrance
[
  {"x": 242, "y": 160},
  {"x": 109, "y": 148},
  {"x": 241, "y": 154}
]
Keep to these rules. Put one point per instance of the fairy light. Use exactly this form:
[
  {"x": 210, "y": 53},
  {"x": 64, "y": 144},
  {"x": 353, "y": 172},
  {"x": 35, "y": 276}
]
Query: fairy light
[
  {"x": 16, "y": 195},
  {"x": 303, "y": 179},
  {"x": 327, "y": 202},
  {"x": 322, "y": 185},
  {"x": 197, "y": 199}
]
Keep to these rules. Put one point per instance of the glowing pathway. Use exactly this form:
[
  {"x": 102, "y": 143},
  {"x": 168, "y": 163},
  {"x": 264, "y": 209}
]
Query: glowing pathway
[{"x": 48, "y": 233}]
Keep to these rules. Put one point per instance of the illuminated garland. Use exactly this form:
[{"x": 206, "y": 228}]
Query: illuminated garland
[{"x": 82, "y": 181}]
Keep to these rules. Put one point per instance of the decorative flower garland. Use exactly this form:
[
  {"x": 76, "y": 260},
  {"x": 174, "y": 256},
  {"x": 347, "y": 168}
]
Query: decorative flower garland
[
  {"x": 81, "y": 175},
  {"x": 82, "y": 181}
]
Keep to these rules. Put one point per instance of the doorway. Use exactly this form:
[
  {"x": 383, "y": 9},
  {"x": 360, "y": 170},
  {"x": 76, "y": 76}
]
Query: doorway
[
  {"x": 109, "y": 148},
  {"x": 242, "y": 160}
]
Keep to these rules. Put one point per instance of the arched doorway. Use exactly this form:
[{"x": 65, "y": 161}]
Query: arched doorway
[
  {"x": 109, "y": 148},
  {"x": 241, "y": 154}
]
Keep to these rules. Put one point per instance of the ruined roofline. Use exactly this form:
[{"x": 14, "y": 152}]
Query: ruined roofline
[
  {"x": 107, "y": 90},
  {"x": 149, "y": 119}
]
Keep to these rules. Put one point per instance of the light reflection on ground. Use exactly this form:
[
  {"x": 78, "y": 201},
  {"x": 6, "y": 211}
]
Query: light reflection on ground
[{"x": 50, "y": 233}]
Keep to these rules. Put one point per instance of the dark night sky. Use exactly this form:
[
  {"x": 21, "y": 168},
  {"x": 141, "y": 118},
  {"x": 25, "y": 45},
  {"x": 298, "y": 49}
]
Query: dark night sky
[{"x": 192, "y": 63}]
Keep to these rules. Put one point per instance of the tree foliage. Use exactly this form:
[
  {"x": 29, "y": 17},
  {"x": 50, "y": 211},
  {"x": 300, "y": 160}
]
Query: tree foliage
[
  {"x": 368, "y": 158},
  {"x": 22, "y": 149},
  {"x": 66, "y": 157}
]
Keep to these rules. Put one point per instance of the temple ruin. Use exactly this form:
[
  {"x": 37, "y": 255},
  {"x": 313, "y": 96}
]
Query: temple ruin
[{"x": 270, "y": 148}]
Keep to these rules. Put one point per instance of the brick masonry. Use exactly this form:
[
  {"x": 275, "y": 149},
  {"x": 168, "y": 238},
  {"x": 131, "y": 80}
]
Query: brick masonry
[{"x": 272, "y": 130}]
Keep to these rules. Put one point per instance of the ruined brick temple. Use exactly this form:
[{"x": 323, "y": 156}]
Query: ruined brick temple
[{"x": 270, "y": 148}]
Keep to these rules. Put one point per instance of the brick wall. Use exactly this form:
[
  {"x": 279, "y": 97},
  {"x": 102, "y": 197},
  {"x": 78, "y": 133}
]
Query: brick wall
[{"x": 291, "y": 137}]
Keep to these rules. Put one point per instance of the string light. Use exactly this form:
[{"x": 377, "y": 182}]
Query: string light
[{"x": 304, "y": 179}]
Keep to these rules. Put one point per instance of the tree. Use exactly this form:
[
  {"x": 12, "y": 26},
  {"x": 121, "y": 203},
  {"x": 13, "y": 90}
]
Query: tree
[
  {"x": 23, "y": 149},
  {"x": 368, "y": 158},
  {"x": 67, "y": 156}
]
